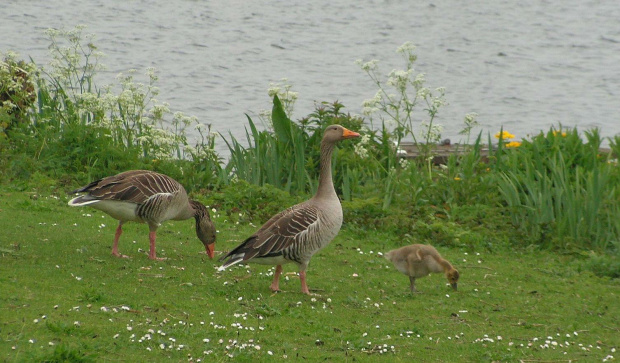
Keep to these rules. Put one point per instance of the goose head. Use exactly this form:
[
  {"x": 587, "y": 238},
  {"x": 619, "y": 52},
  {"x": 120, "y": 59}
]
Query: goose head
[
  {"x": 453, "y": 277},
  {"x": 205, "y": 228},
  {"x": 335, "y": 133}
]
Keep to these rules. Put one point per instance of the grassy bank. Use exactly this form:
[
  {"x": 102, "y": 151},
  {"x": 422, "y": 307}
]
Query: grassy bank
[{"x": 65, "y": 297}]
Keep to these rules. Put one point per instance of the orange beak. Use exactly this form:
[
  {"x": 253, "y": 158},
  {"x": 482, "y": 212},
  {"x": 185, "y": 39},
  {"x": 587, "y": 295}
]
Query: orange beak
[
  {"x": 348, "y": 134},
  {"x": 210, "y": 250}
]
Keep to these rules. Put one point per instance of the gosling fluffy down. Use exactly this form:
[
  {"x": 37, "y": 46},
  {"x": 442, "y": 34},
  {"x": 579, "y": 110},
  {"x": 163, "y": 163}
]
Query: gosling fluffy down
[{"x": 420, "y": 260}]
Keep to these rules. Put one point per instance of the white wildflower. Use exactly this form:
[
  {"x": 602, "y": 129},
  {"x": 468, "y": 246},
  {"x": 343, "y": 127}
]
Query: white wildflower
[
  {"x": 367, "y": 66},
  {"x": 407, "y": 47}
]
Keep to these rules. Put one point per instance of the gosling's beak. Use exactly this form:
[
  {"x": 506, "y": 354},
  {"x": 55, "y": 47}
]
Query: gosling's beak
[
  {"x": 210, "y": 250},
  {"x": 453, "y": 286},
  {"x": 348, "y": 134}
]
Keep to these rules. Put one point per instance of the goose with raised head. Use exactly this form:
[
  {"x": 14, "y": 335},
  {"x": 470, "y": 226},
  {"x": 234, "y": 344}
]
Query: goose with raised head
[
  {"x": 146, "y": 197},
  {"x": 420, "y": 260},
  {"x": 297, "y": 233}
]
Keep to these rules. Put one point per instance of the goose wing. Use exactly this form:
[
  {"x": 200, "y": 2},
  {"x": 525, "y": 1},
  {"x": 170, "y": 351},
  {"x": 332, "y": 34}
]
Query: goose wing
[
  {"x": 135, "y": 186},
  {"x": 288, "y": 229}
]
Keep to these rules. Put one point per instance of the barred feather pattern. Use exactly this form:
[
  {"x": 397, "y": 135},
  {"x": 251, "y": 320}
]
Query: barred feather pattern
[
  {"x": 157, "y": 196},
  {"x": 295, "y": 234},
  {"x": 317, "y": 235}
]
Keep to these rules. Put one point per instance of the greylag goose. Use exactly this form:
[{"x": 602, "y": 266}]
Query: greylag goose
[
  {"x": 419, "y": 260},
  {"x": 297, "y": 233},
  {"x": 147, "y": 197}
]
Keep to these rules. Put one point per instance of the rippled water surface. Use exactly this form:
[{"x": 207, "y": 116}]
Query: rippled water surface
[{"x": 523, "y": 65}]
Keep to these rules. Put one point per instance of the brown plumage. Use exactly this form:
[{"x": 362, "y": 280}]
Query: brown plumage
[
  {"x": 297, "y": 233},
  {"x": 147, "y": 197},
  {"x": 419, "y": 260}
]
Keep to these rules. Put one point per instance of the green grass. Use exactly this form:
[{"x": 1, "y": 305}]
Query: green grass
[{"x": 63, "y": 297}]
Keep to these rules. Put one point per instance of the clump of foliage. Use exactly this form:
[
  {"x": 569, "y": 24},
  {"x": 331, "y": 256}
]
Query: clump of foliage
[
  {"x": 77, "y": 131},
  {"x": 17, "y": 91},
  {"x": 604, "y": 264},
  {"x": 65, "y": 354},
  {"x": 250, "y": 202},
  {"x": 287, "y": 156},
  {"x": 567, "y": 199}
]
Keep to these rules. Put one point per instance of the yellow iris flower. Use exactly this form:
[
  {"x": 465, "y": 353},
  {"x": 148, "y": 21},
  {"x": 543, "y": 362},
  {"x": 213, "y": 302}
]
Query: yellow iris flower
[{"x": 504, "y": 135}]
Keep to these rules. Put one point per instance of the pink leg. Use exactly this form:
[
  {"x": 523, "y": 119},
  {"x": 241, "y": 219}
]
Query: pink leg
[
  {"x": 117, "y": 237},
  {"x": 304, "y": 286},
  {"x": 152, "y": 253},
  {"x": 275, "y": 285}
]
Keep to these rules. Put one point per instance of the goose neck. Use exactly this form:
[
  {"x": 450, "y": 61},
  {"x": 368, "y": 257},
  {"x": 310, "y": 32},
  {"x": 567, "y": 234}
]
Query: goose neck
[
  {"x": 326, "y": 183},
  {"x": 447, "y": 266}
]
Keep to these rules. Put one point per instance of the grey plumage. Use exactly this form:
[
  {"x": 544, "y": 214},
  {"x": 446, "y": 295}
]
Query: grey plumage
[
  {"x": 297, "y": 233},
  {"x": 147, "y": 197}
]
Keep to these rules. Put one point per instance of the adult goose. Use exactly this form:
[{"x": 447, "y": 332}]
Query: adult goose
[
  {"x": 147, "y": 197},
  {"x": 419, "y": 260},
  {"x": 297, "y": 233}
]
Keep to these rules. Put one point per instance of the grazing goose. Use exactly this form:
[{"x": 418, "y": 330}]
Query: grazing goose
[
  {"x": 419, "y": 260},
  {"x": 147, "y": 197},
  {"x": 297, "y": 233}
]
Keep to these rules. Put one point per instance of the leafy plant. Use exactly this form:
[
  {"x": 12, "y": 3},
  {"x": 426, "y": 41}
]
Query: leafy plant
[
  {"x": 398, "y": 100},
  {"x": 253, "y": 202},
  {"x": 77, "y": 130},
  {"x": 288, "y": 156},
  {"x": 565, "y": 199},
  {"x": 17, "y": 91}
]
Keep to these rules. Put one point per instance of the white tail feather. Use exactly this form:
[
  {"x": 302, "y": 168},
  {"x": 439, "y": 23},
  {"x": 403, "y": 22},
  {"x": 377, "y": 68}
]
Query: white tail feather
[
  {"x": 233, "y": 261},
  {"x": 75, "y": 202}
]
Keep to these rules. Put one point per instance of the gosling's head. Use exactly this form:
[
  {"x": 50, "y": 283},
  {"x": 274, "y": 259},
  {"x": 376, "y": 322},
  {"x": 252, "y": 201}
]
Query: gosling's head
[{"x": 453, "y": 277}]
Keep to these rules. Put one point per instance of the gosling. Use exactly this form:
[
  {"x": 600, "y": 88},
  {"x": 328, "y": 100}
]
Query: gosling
[{"x": 419, "y": 260}]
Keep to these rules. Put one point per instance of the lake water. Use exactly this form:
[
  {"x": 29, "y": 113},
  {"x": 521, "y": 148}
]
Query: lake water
[{"x": 525, "y": 65}]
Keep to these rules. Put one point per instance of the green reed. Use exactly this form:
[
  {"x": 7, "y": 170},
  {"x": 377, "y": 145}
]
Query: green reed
[
  {"x": 270, "y": 158},
  {"x": 287, "y": 156},
  {"x": 559, "y": 191}
]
